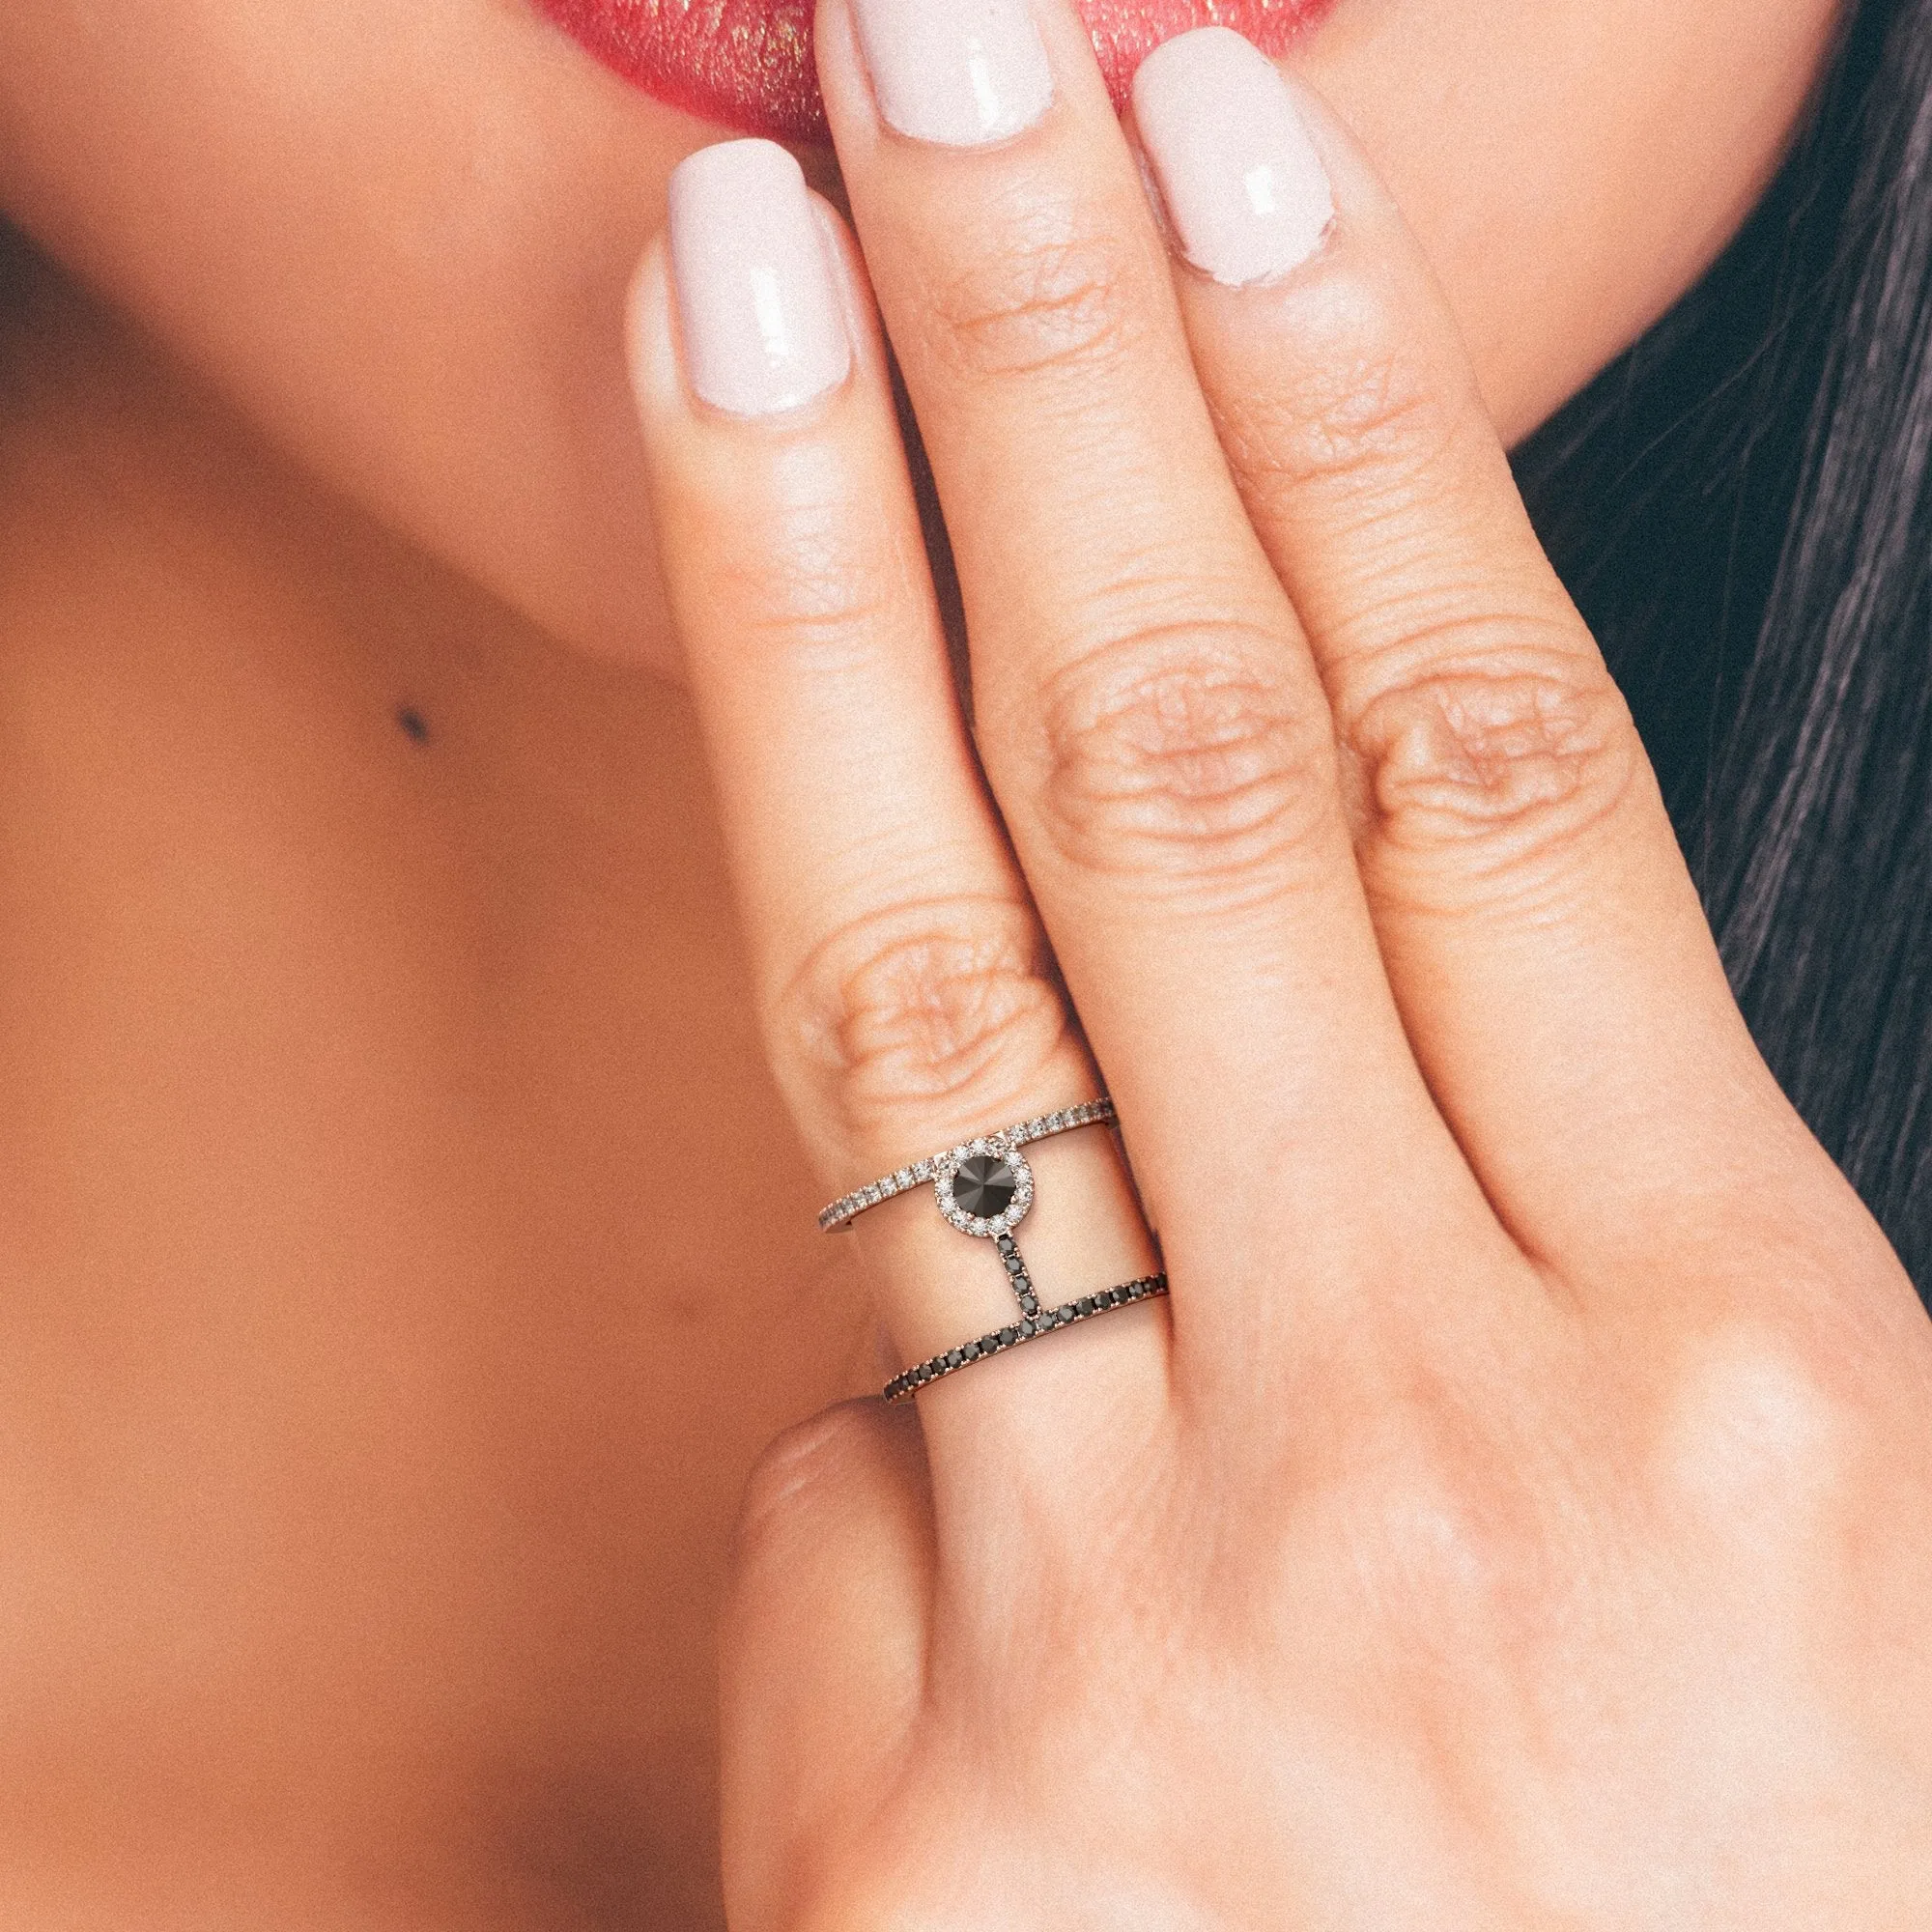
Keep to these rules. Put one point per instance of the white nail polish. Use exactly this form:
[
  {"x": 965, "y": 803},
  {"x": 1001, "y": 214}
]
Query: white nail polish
[
  {"x": 757, "y": 308},
  {"x": 1245, "y": 192},
  {"x": 957, "y": 73}
]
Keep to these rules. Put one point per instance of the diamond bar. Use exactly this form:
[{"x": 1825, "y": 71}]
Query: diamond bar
[{"x": 1016, "y": 1273}]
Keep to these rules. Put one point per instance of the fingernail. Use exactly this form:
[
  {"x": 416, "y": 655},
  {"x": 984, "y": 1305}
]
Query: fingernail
[
  {"x": 757, "y": 309},
  {"x": 960, "y": 73},
  {"x": 1245, "y": 192}
]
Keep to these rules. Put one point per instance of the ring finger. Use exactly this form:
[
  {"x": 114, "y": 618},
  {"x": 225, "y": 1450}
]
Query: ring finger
[{"x": 904, "y": 982}]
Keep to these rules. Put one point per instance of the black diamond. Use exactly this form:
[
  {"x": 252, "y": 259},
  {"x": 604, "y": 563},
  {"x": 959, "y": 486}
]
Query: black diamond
[
  {"x": 984, "y": 1185},
  {"x": 1008, "y": 1336}
]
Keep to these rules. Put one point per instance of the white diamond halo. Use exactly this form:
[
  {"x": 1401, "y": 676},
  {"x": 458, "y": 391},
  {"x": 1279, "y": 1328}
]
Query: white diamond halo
[{"x": 1011, "y": 1216}]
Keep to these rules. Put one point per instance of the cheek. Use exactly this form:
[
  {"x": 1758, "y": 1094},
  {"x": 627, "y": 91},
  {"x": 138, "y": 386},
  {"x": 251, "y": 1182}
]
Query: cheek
[
  {"x": 1572, "y": 166},
  {"x": 397, "y": 234}
]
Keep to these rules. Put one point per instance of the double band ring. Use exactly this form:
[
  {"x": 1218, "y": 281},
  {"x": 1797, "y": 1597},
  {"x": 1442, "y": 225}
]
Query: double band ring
[{"x": 984, "y": 1189}]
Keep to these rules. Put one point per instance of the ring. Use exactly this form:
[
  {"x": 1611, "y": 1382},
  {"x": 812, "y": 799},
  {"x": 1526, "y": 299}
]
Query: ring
[{"x": 984, "y": 1188}]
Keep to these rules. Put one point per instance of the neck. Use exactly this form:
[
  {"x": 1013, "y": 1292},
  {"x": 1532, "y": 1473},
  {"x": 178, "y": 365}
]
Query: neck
[{"x": 138, "y": 512}]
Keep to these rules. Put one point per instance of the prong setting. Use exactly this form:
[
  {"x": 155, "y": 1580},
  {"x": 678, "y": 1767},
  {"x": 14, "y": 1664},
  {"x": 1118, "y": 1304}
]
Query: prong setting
[{"x": 989, "y": 1148}]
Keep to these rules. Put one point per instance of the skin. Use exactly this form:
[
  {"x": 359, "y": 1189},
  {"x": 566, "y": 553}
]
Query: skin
[
  {"x": 350, "y": 225},
  {"x": 1521, "y": 1512},
  {"x": 379, "y": 1388}
]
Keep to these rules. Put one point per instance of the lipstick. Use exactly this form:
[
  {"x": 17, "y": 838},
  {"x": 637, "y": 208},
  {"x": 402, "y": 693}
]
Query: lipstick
[{"x": 747, "y": 64}]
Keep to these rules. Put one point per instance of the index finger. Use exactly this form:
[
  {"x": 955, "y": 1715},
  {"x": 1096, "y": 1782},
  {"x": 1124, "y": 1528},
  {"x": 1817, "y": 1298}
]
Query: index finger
[{"x": 907, "y": 999}]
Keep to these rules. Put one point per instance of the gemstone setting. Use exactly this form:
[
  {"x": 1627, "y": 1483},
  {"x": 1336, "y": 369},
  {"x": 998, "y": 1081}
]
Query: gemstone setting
[{"x": 983, "y": 1187}]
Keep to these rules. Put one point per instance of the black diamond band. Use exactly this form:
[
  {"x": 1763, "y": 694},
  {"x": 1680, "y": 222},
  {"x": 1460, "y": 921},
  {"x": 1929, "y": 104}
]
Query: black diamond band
[{"x": 903, "y": 1387}]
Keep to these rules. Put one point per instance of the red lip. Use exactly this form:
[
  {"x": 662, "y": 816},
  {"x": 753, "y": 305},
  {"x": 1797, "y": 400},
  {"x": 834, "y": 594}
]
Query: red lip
[{"x": 747, "y": 62}]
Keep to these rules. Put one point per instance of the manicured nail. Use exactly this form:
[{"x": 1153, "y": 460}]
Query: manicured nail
[
  {"x": 1245, "y": 192},
  {"x": 757, "y": 305},
  {"x": 960, "y": 72}
]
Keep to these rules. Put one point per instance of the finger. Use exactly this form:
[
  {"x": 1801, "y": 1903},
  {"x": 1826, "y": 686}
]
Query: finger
[
  {"x": 907, "y": 997},
  {"x": 1159, "y": 743},
  {"x": 821, "y": 1647},
  {"x": 1538, "y": 925}
]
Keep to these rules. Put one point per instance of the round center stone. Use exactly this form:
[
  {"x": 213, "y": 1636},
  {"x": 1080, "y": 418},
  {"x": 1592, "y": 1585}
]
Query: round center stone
[{"x": 984, "y": 1185}]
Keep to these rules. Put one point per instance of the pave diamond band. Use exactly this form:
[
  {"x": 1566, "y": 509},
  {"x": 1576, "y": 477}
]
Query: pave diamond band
[
  {"x": 902, "y": 1387},
  {"x": 944, "y": 1168}
]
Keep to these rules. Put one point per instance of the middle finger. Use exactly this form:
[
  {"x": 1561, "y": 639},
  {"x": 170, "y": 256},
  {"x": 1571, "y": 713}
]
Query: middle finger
[{"x": 1146, "y": 711}]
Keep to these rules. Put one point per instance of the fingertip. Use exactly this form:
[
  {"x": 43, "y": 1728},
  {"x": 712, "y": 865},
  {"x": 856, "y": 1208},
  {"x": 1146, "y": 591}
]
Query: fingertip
[
  {"x": 750, "y": 285},
  {"x": 1242, "y": 187},
  {"x": 836, "y": 1463},
  {"x": 832, "y": 1549},
  {"x": 1313, "y": 310},
  {"x": 694, "y": 331}
]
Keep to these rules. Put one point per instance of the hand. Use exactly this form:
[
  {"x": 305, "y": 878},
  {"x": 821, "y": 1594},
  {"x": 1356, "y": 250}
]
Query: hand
[{"x": 1521, "y": 1512}]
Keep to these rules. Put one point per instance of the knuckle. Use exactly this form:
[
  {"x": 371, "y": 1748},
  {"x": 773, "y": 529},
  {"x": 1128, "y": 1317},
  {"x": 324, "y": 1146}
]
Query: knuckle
[
  {"x": 913, "y": 1009},
  {"x": 1442, "y": 1537},
  {"x": 1175, "y": 753},
  {"x": 818, "y": 574},
  {"x": 1362, "y": 418},
  {"x": 1757, "y": 1434},
  {"x": 1442, "y": 1526},
  {"x": 1036, "y": 304},
  {"x": 1508, "y": 757}
]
